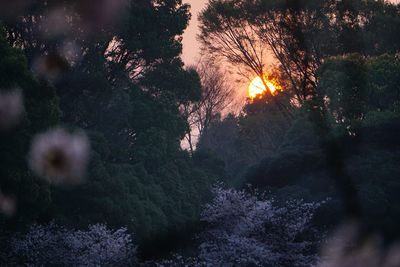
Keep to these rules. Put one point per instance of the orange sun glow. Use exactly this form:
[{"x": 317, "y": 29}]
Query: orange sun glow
[{"x": 257, "y": 88}]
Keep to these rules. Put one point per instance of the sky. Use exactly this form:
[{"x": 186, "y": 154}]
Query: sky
[{"x": 191, "y": 47}]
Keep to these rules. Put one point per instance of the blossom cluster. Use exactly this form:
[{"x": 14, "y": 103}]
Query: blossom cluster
[
  {"x": 246, "y": 230},
  {"x": 53, "y": 245}
]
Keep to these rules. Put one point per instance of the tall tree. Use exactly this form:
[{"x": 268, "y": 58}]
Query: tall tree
[{"x": 217, "y": 94}]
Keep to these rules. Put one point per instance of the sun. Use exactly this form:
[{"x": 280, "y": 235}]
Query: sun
[{"x": 257, "y": 88}]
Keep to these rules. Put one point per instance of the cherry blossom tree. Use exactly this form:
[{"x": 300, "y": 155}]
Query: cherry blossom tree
[
  {"x": 53, "y": 245},
  {"x": 250, "y": 230}
]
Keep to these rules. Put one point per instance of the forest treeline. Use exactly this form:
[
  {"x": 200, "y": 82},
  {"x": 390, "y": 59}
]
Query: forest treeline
[{"x": 329, "y": 136}]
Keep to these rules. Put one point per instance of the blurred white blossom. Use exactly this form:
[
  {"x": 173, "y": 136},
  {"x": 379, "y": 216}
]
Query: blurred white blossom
[
  {"x": 342, "y": 250},
  {"x": 59, "y": 156},
  {"x": 50, "y": 67},
  {"x": 11, "y": 108},
  {"x": 56, "y": 23},
  {"x": 7, "y": 205}
]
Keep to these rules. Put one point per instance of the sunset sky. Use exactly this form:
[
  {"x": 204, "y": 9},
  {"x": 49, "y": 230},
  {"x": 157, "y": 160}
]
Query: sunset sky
[{"x": 190, "y": 44}]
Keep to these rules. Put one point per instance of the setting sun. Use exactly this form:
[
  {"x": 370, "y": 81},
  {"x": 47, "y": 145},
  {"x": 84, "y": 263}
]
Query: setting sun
[{"x": 257, "y": 88}]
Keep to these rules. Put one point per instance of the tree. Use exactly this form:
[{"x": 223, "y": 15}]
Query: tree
[
  {"x": 244, "y": 229},
  {"x": 354, "y": 86},
  {"x": 344, "y": 84},
  {"x": 262, "y": 128},
  {"x": 217, "y": 95},
  {"x": 221, "y": 140},
  {"x": 225, "y": 34},
  {"x": 252, "y": 135}
]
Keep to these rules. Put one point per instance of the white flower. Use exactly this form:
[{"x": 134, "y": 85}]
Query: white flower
[
  {"x": 11, "y": 109},
  {"x": 50, "y": 67},
  {"x": 59, "y": 156}
]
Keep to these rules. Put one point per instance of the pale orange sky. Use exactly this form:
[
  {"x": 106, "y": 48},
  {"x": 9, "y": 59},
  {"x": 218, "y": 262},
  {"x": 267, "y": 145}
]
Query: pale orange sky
[
  {"x": 191, "y": 50},
  {"x": 190, "y": 44}
]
